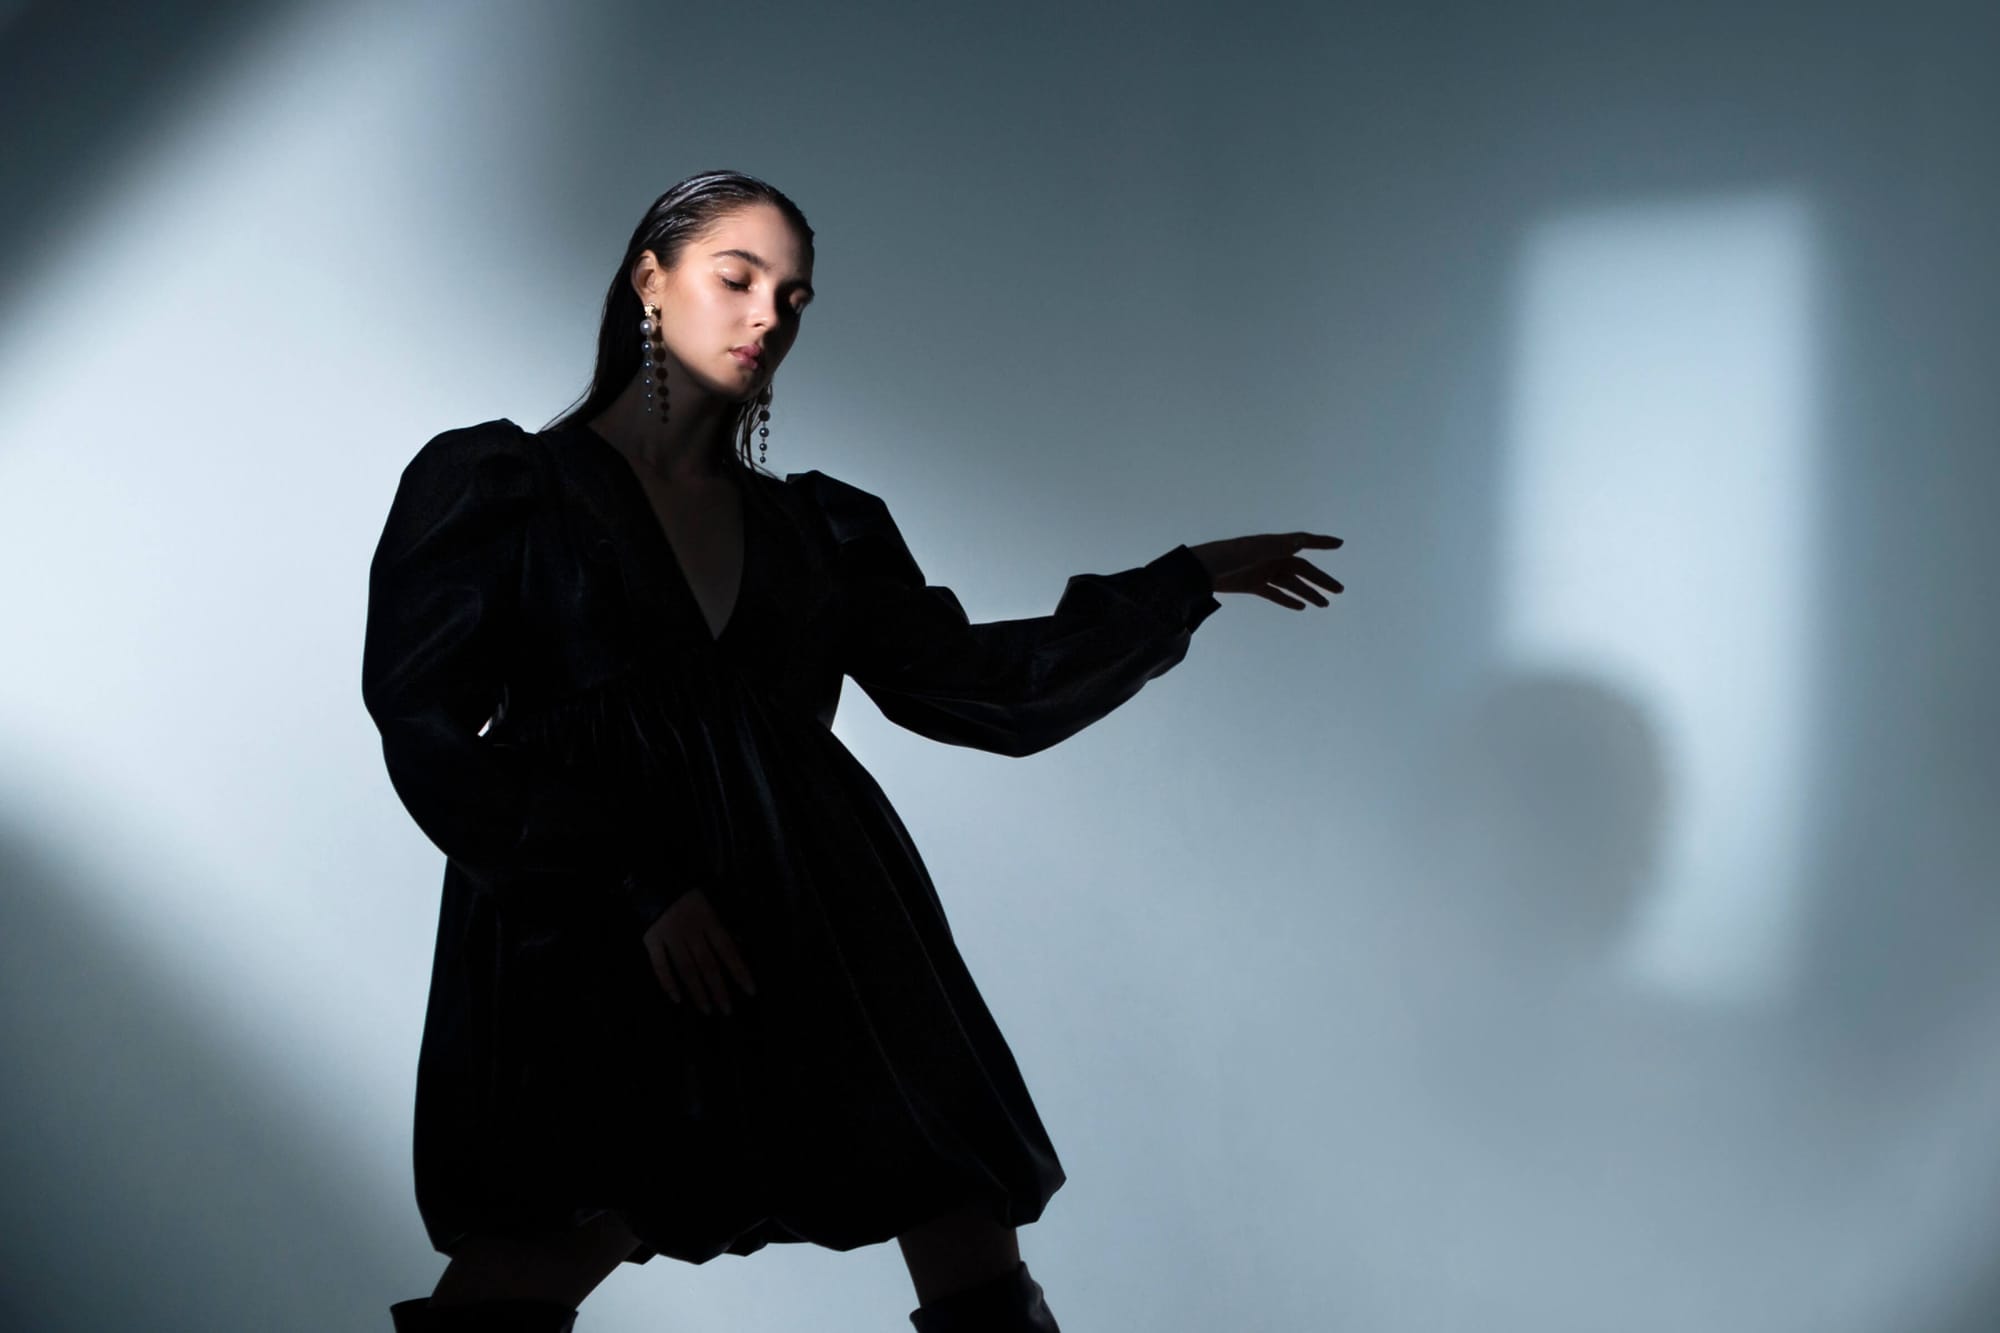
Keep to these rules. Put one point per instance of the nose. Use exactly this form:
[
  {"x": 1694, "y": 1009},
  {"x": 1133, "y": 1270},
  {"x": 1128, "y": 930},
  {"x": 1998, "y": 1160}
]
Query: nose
[{"x": 771, "y": 313}]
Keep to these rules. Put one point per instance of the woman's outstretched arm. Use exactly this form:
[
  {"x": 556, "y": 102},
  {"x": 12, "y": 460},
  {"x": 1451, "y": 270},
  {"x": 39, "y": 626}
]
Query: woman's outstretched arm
[{"x": 1007, "y": 686}]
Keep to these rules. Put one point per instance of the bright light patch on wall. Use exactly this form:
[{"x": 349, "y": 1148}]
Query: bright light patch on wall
[{"x": 1659, "y": 498}]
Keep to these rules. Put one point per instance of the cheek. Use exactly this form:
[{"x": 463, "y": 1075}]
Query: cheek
[
  {"x": 711, "y": 307},
  {"x": 700, "y": 317}
]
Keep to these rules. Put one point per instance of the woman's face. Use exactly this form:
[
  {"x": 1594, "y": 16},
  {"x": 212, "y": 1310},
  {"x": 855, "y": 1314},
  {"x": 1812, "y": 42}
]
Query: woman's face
[{"x": 741, "y": 284}]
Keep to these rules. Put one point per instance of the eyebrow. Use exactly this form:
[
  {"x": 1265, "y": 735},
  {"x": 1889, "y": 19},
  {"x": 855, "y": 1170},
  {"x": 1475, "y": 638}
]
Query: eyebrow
[{"x": 762, "y": 263}]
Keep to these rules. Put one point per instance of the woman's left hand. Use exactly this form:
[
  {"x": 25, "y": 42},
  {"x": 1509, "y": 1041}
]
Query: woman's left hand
[{"x": 1269, "y": 565}]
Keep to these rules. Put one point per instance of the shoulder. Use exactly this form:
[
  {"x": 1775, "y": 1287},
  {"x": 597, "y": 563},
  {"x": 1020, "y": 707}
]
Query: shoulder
[
  {"x": 467, "y": 485},
  {"x": 848, "y": 510},
  {"x": 497, "y": 436},
  {"x": 859, "y": 525},
  {"x": 492, "y": 459}
]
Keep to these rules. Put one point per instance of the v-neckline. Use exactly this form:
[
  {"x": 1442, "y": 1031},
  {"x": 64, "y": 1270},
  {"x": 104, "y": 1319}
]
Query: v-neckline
[{"x": 637, "y": 488}]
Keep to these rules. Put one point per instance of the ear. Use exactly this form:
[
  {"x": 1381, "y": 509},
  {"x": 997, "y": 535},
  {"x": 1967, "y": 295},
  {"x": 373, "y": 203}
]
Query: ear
[{"x": 646, "y": 272}]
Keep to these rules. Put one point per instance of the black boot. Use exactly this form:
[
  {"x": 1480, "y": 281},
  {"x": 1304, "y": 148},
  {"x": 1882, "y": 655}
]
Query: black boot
[
  {"x": 496, "y": 1316},
  {"x": 1009, "y": 1303}
]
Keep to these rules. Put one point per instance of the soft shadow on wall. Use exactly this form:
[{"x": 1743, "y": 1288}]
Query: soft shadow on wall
[{"x": 154, "y": 1179}]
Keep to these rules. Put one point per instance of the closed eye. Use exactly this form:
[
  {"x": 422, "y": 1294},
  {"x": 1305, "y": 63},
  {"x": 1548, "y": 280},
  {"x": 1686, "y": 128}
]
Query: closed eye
[{"x": 798, "y": 309}]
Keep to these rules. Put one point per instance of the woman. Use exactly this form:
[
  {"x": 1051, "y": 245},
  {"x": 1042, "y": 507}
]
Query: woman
[{"x": 693, "y": 989}]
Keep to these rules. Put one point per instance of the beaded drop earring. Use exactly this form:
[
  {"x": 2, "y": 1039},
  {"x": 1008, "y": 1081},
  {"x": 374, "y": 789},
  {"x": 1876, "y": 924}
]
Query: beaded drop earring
[
  {"x": 652, "y": 353},
  {"x": 763, "y": 414}
]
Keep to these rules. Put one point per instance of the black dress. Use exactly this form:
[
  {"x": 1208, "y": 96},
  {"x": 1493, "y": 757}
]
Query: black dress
[{"x": 558, "y": 719}]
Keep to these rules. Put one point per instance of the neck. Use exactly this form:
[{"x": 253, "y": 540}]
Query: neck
[{"x": 694, "y": 444}]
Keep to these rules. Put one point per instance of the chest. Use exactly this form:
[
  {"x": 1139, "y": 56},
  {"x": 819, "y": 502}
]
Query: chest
[
  {"x": 615, "y": 581},
  {"x": 704, "y": 527}
]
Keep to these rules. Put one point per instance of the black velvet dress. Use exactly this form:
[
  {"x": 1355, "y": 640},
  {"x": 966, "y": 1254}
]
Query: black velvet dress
[{"x": 558, "y": 719}]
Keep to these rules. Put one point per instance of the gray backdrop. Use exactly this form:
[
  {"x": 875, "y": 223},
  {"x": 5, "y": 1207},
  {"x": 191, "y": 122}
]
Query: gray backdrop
[{"x": 1579, "y": 925}]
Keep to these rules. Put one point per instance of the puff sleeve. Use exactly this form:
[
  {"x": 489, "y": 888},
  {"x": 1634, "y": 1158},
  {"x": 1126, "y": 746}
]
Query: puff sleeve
[
  {"x": 1010, "y": 687},
  {"x": 442, "y": 591}
]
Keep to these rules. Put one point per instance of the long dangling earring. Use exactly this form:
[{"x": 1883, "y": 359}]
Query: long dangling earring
[
  {"x": 652, "y": 353},
  {"x": 763, "y": 432}
]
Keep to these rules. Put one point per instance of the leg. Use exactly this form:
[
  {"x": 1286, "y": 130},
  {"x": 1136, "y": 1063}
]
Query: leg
[
  {"x": 565, "y": 1267},
  {"x": 956, "y": 1250}
]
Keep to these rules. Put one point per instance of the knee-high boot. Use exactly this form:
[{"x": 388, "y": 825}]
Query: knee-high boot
[{"x": 1009, "y": 1303}]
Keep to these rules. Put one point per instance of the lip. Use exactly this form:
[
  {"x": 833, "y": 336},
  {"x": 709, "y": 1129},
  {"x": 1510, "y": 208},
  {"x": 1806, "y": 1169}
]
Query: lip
[{"x": 747, "y": 356}]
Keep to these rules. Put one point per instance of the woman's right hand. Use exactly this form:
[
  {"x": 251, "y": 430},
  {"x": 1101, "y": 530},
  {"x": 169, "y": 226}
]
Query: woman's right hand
[
  {"x": 690, "y": 947},
  {"x": 1269, "y": 564}
]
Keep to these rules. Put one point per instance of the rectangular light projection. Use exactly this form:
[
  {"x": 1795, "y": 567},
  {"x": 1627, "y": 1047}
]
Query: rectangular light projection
[{"x": 1659, "y": 496}]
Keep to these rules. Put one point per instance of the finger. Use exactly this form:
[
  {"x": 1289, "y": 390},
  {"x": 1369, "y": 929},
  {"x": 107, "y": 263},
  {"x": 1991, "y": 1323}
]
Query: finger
[
  {"x": 1293, "y": 583},
  {"x": 729, "y": 963},
  {"x": 1324, "y": 579},
  {"x": 663, "y": 969},
  {"x": 711, "y": 971},
  {"x": 1274, "y": 595},
  {"x": 1322, "y": 540},
  {"x": 732, "y": 957},
  {"x": 690, "y": 973}
]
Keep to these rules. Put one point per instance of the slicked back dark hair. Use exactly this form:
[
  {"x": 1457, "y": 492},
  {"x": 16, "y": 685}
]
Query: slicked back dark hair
[{"x": 685, "y": 211}]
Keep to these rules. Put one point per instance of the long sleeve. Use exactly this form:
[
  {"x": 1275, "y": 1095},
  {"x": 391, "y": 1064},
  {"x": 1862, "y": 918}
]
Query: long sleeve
[
  {"x": 442, "y": 592},
  {"x": 1009, "y": 687}
]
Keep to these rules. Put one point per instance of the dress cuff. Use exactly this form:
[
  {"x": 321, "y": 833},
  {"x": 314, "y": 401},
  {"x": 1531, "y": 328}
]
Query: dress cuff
[
  {"x": 650, "y": 893},
  {"x": 1181, "y": 592}
]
